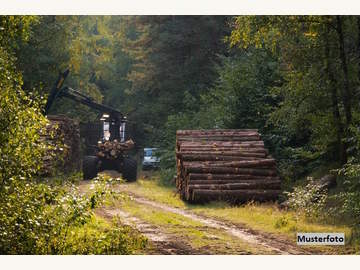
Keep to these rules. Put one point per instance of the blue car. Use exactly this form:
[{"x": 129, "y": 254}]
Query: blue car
[{"x": 150, "y": 160}]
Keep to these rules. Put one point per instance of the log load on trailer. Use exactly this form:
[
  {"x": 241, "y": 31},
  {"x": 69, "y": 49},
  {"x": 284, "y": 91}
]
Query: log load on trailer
[
  {"x": 111, "y": 149},
  {"x": 224, "y": 164}
]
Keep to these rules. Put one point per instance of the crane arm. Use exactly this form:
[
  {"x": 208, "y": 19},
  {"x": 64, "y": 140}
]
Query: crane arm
[
  {"x": 59, "y": 91},
  {"x": 81, "y": 98}
]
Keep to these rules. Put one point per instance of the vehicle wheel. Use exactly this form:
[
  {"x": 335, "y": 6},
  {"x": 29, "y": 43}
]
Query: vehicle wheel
[
  {"x": 90, "y": 167},
  {"x": 129, "y": 170}
]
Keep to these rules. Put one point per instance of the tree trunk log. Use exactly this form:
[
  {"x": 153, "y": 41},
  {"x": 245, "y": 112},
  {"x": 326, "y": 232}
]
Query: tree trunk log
[
  {"x": 230, "y": 170},
  {"x": 199, "y": 154},
  {"x": 235, "y": 164},
  {"x": 240, "y": 139},
  {"x": 215, "y": 157},
  {"x": 224, "y": 150},
  {"x": 237, "y": 195},
  {"x": 237, "y": 186},
  {"x": 209, "y": 142},
  {"x": 231, "y": 181},
  {"x": 215, "y": 131},
  {"x": 209, "y": 176}
]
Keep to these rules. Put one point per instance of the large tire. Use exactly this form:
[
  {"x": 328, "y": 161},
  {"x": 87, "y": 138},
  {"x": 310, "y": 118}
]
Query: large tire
[
  {"x": 90, "y": 167},
  {"x": 129, "y": 170}
]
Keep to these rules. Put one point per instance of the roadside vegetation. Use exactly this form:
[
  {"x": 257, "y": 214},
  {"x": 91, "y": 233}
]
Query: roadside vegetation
[
  {"x": 265, "y": 217},
  {"x": 40, "y": 215}
]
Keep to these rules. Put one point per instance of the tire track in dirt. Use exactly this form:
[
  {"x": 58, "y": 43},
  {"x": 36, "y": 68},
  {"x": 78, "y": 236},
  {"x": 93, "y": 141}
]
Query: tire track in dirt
[
  {"x": 165, "y": 243},
  {"x": 250, "y": 236},
  {"x": 161, "y": 243}
]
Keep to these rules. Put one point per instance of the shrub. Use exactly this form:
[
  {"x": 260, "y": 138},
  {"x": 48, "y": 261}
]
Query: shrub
[
  {"x": 21, "y": 124},
  {"x": 309, "y": 199},
  {"x": 37, "y": 218},
  {"x": 100, "y": 237}
]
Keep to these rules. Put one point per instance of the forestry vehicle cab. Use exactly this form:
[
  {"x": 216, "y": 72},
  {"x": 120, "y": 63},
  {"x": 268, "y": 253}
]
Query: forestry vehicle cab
[{"x": 111, "y": 151}]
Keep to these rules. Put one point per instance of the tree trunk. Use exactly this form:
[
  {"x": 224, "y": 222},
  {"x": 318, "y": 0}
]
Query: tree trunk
[
  {"x": 209, "y": 176},
  {"x": 232, "y": 181},
  {"x": 224, "y": 149},
  {"x": 229, "y": 170},
  {"x": 239, "y": 139},
  {"x": 213, "y": 157},
  {"x": 236, "y": 164},
  {"x": 346, "y": 91},
  {"x": 240, "y": 195},
  {"x": 221, "y": 144},
  {"x": 335, "y": 104},
  {"x": 216, "y": 131},
  {"x": 237, "y": 186},
  {"x": 187, "y": 155},
  {"x": 358, "y": 26}
]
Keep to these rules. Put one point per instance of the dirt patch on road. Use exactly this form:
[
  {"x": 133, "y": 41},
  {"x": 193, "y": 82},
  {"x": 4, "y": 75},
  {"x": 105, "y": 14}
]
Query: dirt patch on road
[
  {"x": 165, "y": 242},
  {"x": 277, "y": 245},
  {"x": 160, "y": 242}
]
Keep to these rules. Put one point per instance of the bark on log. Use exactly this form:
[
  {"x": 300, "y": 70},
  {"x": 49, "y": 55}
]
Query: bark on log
[
  {"x": 229, "y": 143},
  {"x": 240, "y": 139},
  {"x": 237, "y": 186},
  {"x": 214, "y": 157},
  {"x": 200, "y": 131},
  {"x": 209, "y": 176},
  {"x": 224, "y": 150},
  {"x": 220, "y": 135},
  {"x": 199, "y": 154},
  {"x": 230, "y": 181},
  {"x": 238, "y": 195},
  {"x": 231, "y": 170},
  {"x": 236, "y": 164}
]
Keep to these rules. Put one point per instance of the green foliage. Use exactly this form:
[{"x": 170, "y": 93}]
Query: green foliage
[
  {"x": 39, "y": 218},
  {"x": 172, "y": 58},
  {"x": 309, "y": 200},
  {"x": 99, "y": 237},
  {"x": 349, "y": 207},
  {"x": 15, "y": 29},
  {"x": 241, "y": 97},
  {"x": 21, "y": 124}
]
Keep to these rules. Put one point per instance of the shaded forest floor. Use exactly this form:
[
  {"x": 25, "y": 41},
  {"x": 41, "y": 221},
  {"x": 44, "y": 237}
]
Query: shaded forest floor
[{"x": 175, "y": 227}]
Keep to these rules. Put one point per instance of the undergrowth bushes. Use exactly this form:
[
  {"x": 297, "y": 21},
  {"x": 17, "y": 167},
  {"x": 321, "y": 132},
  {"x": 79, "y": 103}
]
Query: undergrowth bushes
[
  {"x": 317, "y": 204},
  {"x": 39, "y": 218},
  {"x": 309, "y": 199}
]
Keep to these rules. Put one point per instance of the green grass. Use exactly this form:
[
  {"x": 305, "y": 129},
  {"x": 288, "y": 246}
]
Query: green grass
[
  {"x": 152, "y": 190},
  {"x": 262, "y": 217},
  {"x": 194, "y": 233},
  {"x": 100, "y": 236}
]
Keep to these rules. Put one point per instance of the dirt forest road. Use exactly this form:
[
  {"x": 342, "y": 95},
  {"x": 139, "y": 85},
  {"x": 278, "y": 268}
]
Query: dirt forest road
[
  {"x": 172, "y": 230},
  {"x": 166, "y": 243}
]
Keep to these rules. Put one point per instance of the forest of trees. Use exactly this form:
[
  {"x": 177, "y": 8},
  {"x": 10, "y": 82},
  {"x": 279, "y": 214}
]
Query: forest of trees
[{"x": 295, "y": 78}]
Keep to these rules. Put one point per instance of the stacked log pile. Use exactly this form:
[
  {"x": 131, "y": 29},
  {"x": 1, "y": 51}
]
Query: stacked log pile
[
  {"x": 63, "y": 138},
  {"x": 113, "y": 149},
  {"x": 224, "y": 165}
]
